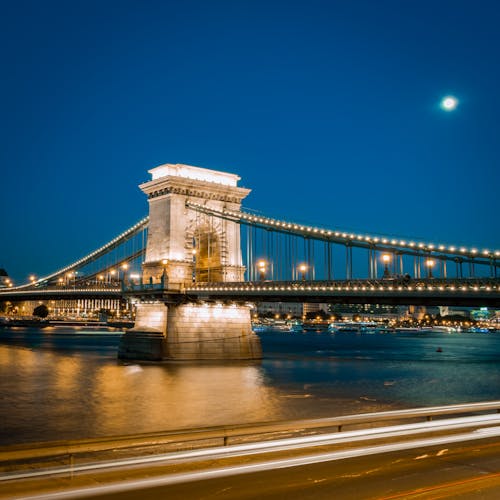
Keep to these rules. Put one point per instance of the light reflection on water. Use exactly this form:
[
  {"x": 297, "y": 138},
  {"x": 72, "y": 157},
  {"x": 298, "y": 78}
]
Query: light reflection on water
[
  {"x": 48, "y": 396},
  {"x": 63, "y": 383}
]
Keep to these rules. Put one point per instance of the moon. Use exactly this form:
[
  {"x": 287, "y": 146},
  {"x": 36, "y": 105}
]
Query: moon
[{"x": 449, "y": 103}]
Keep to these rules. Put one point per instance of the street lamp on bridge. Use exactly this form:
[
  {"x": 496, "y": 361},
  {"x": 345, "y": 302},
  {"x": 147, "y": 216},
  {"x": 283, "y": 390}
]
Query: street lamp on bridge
[
  {"x": 193, "y": 274},
  {"x": 262, "y": 268},
  {"x": 429, "y": 264},
  {"x": 164, "y": 276},
  {"x": 386, "y": 258},
  {"x": 302, "y": 270},
  {"x": 124, "y": 268}
]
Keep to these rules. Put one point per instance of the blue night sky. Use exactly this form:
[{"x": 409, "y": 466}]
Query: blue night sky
[{"x": 328, "y": 110}]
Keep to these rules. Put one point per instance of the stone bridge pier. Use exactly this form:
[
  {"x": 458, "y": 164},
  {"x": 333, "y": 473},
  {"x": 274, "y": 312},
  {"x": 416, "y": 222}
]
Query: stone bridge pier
[{"x": 186, "y": 246}]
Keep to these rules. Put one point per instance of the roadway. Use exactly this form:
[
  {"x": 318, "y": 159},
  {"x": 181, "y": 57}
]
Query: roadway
[
  {"x": 466, "y": 472},
  {"x": 446, "y": 458}
]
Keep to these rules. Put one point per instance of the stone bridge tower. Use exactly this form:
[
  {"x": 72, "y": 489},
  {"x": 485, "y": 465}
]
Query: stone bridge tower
[{"x": 183, "y": 246}]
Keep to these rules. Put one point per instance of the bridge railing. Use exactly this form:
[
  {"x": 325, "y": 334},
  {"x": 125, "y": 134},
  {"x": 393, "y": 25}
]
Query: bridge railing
[
  {"x": 410, "y": 284},
  {"x": 145, "y": 287}
]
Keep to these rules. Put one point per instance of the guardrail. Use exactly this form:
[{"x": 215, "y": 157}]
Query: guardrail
[{"x": 225, "y": 433}]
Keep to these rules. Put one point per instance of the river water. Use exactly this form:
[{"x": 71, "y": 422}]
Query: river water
[{"x": 66, "y": 383}]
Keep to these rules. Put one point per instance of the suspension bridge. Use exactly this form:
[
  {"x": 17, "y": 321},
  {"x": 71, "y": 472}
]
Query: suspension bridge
[{"x": 198, "y": 250}]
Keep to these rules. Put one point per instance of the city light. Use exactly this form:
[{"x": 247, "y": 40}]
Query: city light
[
  {"x": 430, "y": 264},
  {"x": 302, "y": 270},
  {"x": 262, "y": 268}
]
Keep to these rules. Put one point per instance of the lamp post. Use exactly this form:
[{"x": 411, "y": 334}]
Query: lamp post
[
  {"x": 302, "y": 270},
  {"x": 429, "y": 264},
  {"x": 386, "y": 258},
  {"x": 193, "y": 274},
  {"x": 262, "y": 268},
  {"x": 134, "y": 277},
  {"x": 164, "y": 275},
  {"x": 124, "y": 268}
]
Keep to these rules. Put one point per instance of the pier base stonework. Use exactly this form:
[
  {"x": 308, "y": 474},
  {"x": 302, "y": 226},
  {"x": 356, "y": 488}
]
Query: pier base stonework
[
  {"x": 191, "y": 332},
  {"x": 146, "y": 340},
  {"x": 211, "y": 331}
]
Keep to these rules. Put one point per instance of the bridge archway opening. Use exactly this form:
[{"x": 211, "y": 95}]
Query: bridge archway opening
[{"x": 207, "y": 256}]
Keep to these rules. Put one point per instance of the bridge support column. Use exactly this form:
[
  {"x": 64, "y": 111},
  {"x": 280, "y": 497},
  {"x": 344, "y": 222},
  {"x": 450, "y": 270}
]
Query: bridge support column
[
  {"x": 146, "y": 340},
  {"x": 191, "y": 332},
  {"x": 210, "y": 332}
]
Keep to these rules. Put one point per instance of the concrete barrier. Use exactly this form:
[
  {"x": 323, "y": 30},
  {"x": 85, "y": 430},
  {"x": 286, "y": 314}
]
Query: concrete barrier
[{"x": 31, "y": 451}]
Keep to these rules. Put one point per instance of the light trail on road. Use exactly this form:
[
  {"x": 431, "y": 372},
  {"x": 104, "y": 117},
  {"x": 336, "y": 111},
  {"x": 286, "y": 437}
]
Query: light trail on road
[
  {"x": 276, "y": 445},
  {"x": 171, "y": 479}
]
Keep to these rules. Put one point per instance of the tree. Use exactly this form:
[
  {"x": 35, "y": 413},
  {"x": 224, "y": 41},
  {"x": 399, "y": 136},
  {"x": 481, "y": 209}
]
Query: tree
[
  {"x": 41, "y": 311},
  {"x": 317, "y": 314}
]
